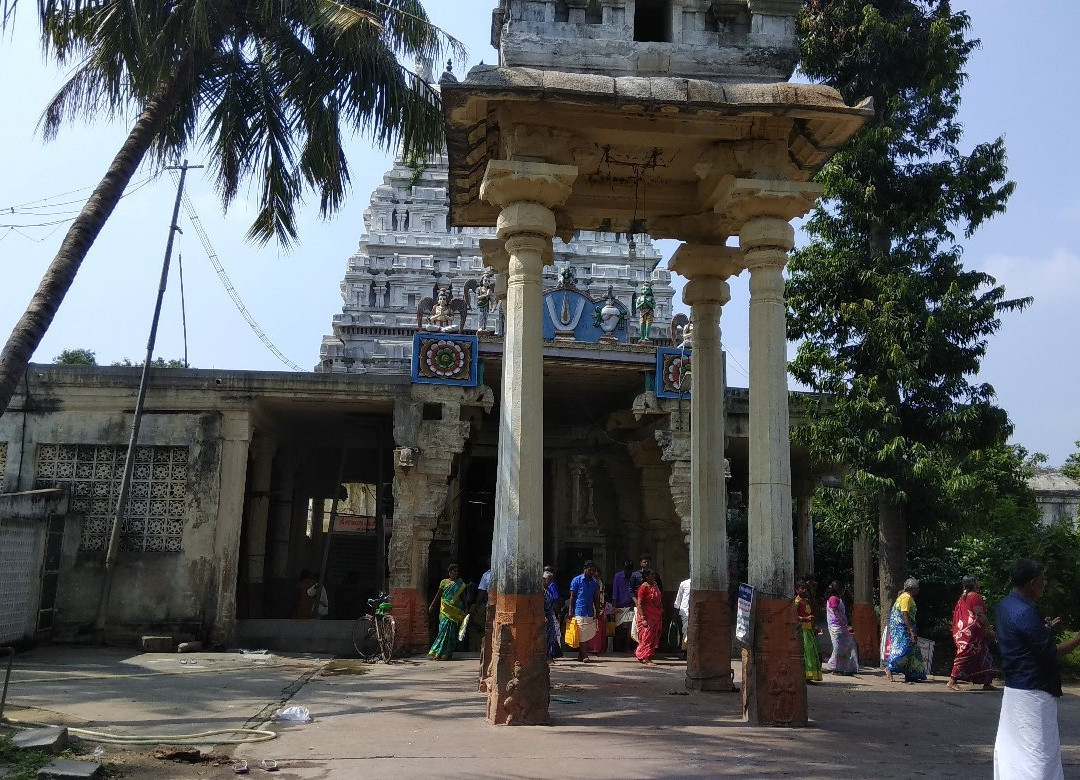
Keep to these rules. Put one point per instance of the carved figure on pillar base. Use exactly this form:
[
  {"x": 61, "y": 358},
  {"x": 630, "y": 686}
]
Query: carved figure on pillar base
[
  {"x": 484, "y": 681},
  {"x": 774, "y": 681},
  {"x": 864, "y": 626},
  {"x": 645, "y": 304},
  {"x": 708, "y": 642},
  {"x": 520, "y": 686}
]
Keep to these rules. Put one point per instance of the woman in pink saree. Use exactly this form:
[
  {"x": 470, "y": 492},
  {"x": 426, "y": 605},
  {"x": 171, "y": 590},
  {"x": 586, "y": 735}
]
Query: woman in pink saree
[
  {"x": 650, "y": 617},
  {"x": 970, "y": 629}
]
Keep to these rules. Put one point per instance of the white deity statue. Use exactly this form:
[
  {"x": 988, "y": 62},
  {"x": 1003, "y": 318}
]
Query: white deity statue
[
  {"x": 438, "y": 315},
  {"x": 609, "y": 317}
]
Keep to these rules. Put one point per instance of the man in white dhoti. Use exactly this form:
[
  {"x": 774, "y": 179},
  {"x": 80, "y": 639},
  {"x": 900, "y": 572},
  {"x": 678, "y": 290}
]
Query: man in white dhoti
[
  {"x": 585, "y": 603},
  {"x": 682, "y": 606},
  {"x": 1028, "y": 746}
]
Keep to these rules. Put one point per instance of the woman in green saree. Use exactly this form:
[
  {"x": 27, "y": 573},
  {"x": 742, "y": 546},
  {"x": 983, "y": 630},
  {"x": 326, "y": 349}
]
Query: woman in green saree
[{"x": 451, "y": 601}]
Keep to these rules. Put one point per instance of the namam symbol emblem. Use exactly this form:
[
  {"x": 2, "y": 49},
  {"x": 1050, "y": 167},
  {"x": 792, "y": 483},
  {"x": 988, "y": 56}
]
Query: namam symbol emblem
[{"x": 568, "y": 317}]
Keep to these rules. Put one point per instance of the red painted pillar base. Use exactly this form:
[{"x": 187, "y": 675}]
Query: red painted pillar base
[
  {"x": 519, "y": 689},
  {"x": 864, "y": 627},
  {"x": 708, "y": 642},
  {"x": 774, "y": 677},
  {"x": 485, "y": 646},
  {"x": 410, "y": 620}
]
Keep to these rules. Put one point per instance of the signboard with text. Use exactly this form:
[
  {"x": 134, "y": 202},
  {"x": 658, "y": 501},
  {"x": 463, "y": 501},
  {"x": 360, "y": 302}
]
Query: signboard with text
[{"x": 744, "y": 623}]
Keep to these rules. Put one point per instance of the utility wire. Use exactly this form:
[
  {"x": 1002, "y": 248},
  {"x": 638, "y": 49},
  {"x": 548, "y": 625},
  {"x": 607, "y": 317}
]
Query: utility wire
[
  {"x": 196, "y": 223},
  {"x": 31, "y": 204}
]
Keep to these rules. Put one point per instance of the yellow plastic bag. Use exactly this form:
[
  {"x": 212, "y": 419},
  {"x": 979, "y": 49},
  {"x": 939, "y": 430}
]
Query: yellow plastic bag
[{"x": 571, "y": 635}]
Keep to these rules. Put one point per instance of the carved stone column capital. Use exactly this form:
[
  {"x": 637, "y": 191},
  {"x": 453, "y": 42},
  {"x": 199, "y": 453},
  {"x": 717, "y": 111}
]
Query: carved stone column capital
[
  {"x": 509, "y": 182},
  {"x": 705, "y": 290}
]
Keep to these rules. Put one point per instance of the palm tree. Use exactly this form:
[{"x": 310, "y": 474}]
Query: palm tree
[{"x": 266, "y": 87}]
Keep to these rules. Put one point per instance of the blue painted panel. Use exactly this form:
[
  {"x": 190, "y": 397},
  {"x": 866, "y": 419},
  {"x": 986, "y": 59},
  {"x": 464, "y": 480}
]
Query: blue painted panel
[
  {"x": 672, "y": 372},
  {"x": 445, "y": 359},
  {"x": 569, "y": 312}
]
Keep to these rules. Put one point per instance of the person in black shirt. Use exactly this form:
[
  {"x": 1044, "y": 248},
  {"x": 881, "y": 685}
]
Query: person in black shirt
[{"x": 1028, "y": 744}]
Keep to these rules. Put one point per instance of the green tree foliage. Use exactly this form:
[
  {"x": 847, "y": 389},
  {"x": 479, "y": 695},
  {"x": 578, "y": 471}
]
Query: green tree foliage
[
  {"x": 893, "y": 327},
  {"x": 269, "y": 90},
  {"x": 1071, "y": 468},
  {"x": 157, "y": 362},
  {"x": 76, "y": 357}
]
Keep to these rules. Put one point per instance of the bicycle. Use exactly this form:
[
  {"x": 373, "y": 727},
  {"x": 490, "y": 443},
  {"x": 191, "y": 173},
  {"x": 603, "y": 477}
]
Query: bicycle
[{"x": 374, "y": 632}]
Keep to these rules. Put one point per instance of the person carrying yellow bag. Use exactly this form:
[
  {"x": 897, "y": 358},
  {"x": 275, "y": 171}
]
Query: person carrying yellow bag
[{"x": 571, "y": 637}]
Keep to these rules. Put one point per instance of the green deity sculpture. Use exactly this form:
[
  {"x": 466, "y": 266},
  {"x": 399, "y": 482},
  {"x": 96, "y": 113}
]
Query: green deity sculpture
[{"x": 645, "y": 303}]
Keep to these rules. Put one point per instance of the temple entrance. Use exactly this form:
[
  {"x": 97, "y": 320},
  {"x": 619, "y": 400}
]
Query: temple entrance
[{"x": 477, "y": 518}]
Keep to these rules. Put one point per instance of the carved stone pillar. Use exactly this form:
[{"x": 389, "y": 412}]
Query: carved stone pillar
[
  {"x": 494, "y": 252},
  {"x": 519, "y": 688},
  {"x": 235, "y": 439},
  {"x": 863, "y": 622},
  {"x": 804, "y": 552},
  {"x": 708, "y": 645},
  {"x": 281, "y": 517},
  {"x": 256, "y": 521},
  {"x": 775, "y": 685}
]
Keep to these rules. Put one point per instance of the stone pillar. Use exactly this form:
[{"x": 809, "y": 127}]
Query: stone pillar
[
  {"x": 774, "y": 691},
  {"x": 804, "y": 524},
  {"x": 255, "y": 525},
  {"x": 281, "y": 519},
  {"x": 494, "y": 252},
  {"x": 235, "y": 437},
  {"x": 519, "y": 688},
  {"x": 708, "y": 644},
  {"x": 863, "y": 622}
]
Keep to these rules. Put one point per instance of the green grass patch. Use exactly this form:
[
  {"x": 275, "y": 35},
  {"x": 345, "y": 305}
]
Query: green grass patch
[{"x": 21, "y": 764}]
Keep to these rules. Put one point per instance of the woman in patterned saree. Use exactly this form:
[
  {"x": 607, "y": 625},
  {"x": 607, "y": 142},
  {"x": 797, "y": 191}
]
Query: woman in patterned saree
[
  {"x": 451, "y": 601},
  {"x": 805, "y": 615},
  {"x": 970, "y": 628},
  {"x": 845, "y": 656},
  {"x": 650, "y": 618},
  {"x": 904, "y": 654}
]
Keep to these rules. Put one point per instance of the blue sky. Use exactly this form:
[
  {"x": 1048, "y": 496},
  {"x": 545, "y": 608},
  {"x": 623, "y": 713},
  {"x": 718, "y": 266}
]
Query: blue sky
[{"x": 1015, "y": 89}]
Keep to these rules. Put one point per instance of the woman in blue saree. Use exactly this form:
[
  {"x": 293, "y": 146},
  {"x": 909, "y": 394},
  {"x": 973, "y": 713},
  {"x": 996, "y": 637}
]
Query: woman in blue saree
[
  {"x": 451, "y": 601},
  {"x": 904, "y": 654}
]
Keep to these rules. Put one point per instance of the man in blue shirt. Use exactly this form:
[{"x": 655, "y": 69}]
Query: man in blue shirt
[
  {"x": 1028, "y": 745},
  {"x": 623, "y": 601},
  {"x": 585, "y": 602}
]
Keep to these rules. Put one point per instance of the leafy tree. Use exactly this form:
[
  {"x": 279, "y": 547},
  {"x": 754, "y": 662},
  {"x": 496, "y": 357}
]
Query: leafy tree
[
  {"x": 157, "y": 362},
  {"x": 1071, "y": 468},
  {"x": 76, "y": 357},
  {"x": 892, "y": 325},
  {"x": 269, "y": 89}
]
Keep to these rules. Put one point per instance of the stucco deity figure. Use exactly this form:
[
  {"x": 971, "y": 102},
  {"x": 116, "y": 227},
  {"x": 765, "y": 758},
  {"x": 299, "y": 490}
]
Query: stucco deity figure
[
  {"x": 609, "y": 317},
  {"x": 567, "y": 278},
  {"x": 438, "y": 314},
  {"x": 681, "y": 331},
  {"x": 646, "y": 304},
  {"x": 484, "y": 291}
]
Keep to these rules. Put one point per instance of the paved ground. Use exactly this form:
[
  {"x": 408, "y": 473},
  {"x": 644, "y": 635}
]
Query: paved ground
[{"x": 423, "y": 719}]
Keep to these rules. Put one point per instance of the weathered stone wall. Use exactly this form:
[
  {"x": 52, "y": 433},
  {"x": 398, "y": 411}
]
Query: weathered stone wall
[{"x": 150, "y": 588}]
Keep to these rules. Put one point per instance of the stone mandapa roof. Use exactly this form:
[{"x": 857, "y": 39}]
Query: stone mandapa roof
[{"x": 1053, "y": 481}]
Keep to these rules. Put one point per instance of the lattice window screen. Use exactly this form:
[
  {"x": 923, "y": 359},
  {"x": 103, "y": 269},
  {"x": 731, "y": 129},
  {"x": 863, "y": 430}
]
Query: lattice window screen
[{"x": 154, "y": 516}]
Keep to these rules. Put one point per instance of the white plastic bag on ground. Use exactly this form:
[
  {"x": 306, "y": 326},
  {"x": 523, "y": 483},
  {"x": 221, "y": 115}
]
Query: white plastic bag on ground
[{"x": 293, "y": 714}]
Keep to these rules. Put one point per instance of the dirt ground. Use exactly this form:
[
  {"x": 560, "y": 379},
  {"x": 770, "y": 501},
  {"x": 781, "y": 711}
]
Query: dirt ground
[{"x": 419, "y": 718}]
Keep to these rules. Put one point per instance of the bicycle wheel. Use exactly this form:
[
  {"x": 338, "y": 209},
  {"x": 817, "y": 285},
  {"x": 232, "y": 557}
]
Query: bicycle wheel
[
  {"x": 364, "y": 638},
  {"x": 386, "y": 638}
]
